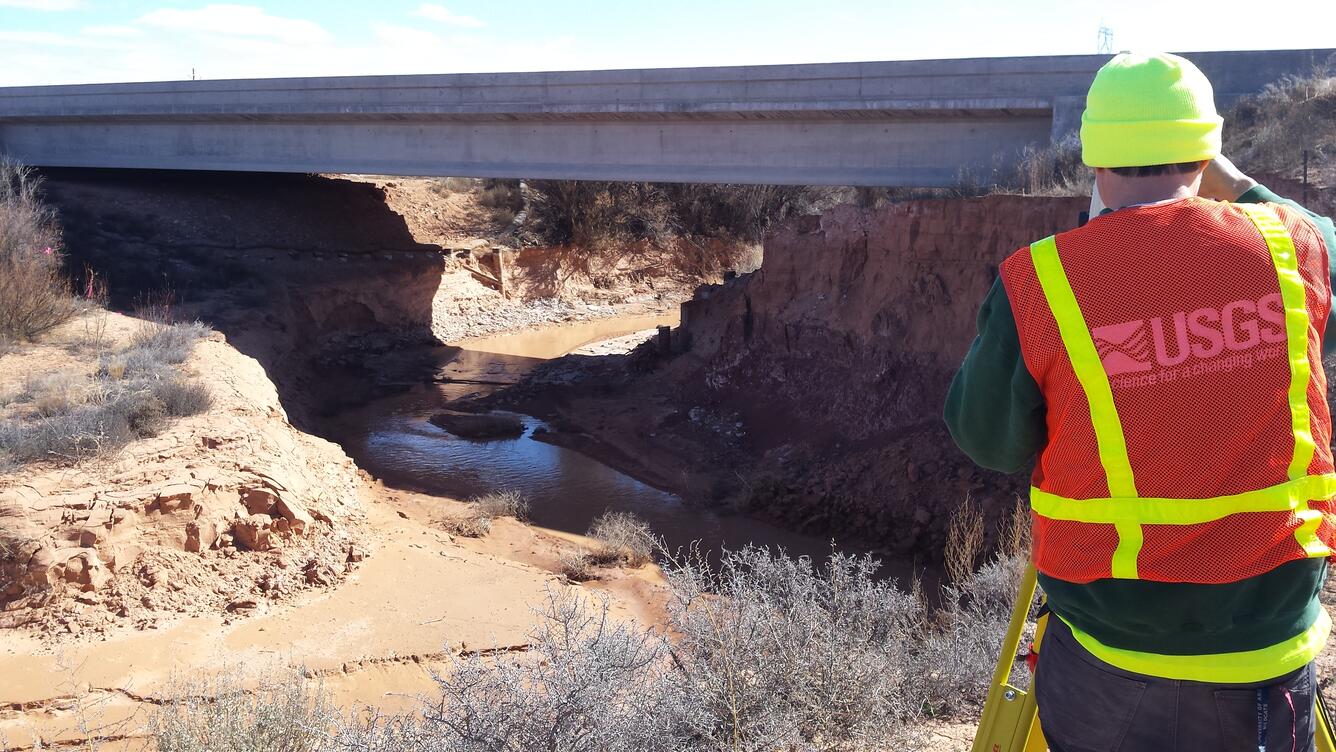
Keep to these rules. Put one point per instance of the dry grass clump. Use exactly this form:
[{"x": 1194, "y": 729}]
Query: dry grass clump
[
  {"x": 507, "y": 503},
  {"x": 34, "y": 294},
  {"x": 477, "y": 522},
  {"x": 1052, "y": 170},
  {"x": 1269, "y": 131},
  {"x": 133, "y": 394},
  {"x": 1015, "y": 538},
  {"x": 153, "y": 349},
  {"x": 623, "y": 539},
  {"x": 469, "y": 526},
  {"x": 576, "y": 566},
  {"x": 218, "y": 714},
  {"x": 964, "y": 541},
  {"x": 447, "y": 186}
]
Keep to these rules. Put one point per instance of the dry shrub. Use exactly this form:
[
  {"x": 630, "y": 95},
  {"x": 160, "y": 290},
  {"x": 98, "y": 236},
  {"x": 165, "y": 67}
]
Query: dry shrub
[
  {"x": 56, "y": 393},
  {"x": 503, "y": 199},
  {"x": 477, "y": 521},
  {"x": 623, "y": 539},
  {"x": 34, "y": 294},
  {"x": 1014, "y": 540},
  {"x": 964, "y": 541},
  {"x": 587, "y": 684},
  {"x": 469, "y": 526},
  {"x": 767, "y": 653},
  {"x": 501, "y": 194},
  {"x": 1269, "y": 131},
  {"x": 218, "y": 714},
  {"x": 957, "y": 656},
  {"x": 508, "y": 503},
  {"x": 181, "y": 397},
  {"x": 1052, "y": 170},
  {"x": 599, "y": 215},
  {"x": 576, "y": 566}
]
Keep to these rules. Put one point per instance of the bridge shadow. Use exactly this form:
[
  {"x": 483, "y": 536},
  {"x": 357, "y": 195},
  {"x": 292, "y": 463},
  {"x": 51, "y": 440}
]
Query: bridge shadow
[{"x": 317, "y": 278}]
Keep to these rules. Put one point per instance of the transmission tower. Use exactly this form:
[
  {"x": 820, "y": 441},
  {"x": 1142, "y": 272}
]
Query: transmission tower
[{"x": 1105, "y": 39}]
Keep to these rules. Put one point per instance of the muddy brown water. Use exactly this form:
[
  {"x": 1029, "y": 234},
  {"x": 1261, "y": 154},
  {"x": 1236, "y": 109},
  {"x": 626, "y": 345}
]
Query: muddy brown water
[{"x": 393, "y": 439}]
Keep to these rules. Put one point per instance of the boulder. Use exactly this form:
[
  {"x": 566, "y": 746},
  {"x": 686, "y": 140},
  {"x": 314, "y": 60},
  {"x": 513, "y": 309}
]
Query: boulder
[
  {"x": 200, "y": 535},
  {"x": 252, "y": 533},
  {"x": 480, "y": 427},
  {"x": 294, "y": 513},
  {"x": 87, "y": 571}
]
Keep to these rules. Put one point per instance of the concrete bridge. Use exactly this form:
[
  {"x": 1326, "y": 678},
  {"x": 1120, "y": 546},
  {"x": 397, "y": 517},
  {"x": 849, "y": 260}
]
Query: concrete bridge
[{"x": 911, "y": 123}]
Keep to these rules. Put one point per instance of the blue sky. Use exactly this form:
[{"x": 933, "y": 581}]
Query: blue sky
[{"x": 73, "y": 41}]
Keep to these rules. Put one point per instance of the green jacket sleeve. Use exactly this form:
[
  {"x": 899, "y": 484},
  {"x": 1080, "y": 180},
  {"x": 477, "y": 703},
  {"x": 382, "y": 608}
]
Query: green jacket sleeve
[
  {"x": 994, "y": 408},
  {"x": 1261, "y": 194}
]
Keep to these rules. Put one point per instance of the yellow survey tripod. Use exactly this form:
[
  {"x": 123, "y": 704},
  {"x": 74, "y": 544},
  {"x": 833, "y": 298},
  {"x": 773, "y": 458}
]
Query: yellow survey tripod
[{"x": 1010, "y": 721}]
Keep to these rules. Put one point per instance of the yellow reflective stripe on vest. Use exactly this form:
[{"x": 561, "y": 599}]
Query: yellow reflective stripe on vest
[
  {"x": 1284, "y": 497},
  {"x": 1292, "y": 292},
  {"x": 1090, "y": 372},
  {"x": 1221, "y": 668},
  {"x": 1294, "y": 297}
]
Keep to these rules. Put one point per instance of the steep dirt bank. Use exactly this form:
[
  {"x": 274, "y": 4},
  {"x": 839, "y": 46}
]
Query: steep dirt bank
[
  {"x": 220, "y": 514},
  {"x": 343, "y": 289},
  {"x": 811, "y": 390}
]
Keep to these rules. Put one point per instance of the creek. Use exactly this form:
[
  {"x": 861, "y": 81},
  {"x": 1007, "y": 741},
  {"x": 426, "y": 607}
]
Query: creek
[{"x": 392, "y": 438}]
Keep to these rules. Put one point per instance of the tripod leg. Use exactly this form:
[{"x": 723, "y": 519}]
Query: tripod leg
[
  {"x": 1322, "y": 723},
  {"x": 1009, "y": 713}
]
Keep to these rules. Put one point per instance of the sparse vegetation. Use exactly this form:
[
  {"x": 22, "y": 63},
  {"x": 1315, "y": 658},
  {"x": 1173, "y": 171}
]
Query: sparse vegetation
[
  {"x": 506, "y": 503},
  {"x": 220, "y": 714},
  {"x": 471, "y": 525},
  {"x": 964, "y": 541},
  {"x": 34, "y": 294},
  {"x": 600, "y": 215},
  {"x": 623, "y": 538},
  {"x": 477, "y": 522},
  {"x": 576, "y": 566},
  {"x": 132, "y": 394},
  {"x": 763, "y": 652},
  {"x": 1270, "y": 131}
]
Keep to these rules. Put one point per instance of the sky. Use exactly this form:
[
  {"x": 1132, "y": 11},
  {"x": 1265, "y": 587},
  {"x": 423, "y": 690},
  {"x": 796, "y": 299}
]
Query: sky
[{"x": 87, "y": 41}]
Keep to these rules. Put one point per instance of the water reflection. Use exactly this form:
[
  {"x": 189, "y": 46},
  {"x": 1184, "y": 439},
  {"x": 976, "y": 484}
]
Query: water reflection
[{"x": 393, "y": 439}]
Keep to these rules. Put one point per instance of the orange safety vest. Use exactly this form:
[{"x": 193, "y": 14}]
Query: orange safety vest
[{"x": 1178, "y": 348}]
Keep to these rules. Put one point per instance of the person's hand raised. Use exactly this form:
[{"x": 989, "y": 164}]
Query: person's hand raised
[{"x": 1222, "y": 181}]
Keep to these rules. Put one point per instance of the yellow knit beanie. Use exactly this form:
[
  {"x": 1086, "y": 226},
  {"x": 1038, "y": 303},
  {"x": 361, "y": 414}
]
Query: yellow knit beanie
[{"x": 1148, "y": 110}]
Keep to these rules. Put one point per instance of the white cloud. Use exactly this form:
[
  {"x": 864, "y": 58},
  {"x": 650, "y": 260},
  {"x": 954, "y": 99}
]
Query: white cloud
[
  {"x": 439, "y": 13},
  {"x": 237, "y": 20},
  {"x": 55, "y": 5},
  {"x": 39, "y": 38},
  {"x": 111, "y": 31},
  {"x": 394, "y": 36}
]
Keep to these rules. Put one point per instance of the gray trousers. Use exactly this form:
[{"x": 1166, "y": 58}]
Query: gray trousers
[{"x": 1086, "y": 705}]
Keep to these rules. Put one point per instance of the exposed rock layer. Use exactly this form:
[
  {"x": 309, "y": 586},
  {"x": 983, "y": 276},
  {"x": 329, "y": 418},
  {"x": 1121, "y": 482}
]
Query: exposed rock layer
[{"x": 231, "y": 506}]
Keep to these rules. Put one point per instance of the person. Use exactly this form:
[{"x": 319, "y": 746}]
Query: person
[{"x": 1164, "y": 364}]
